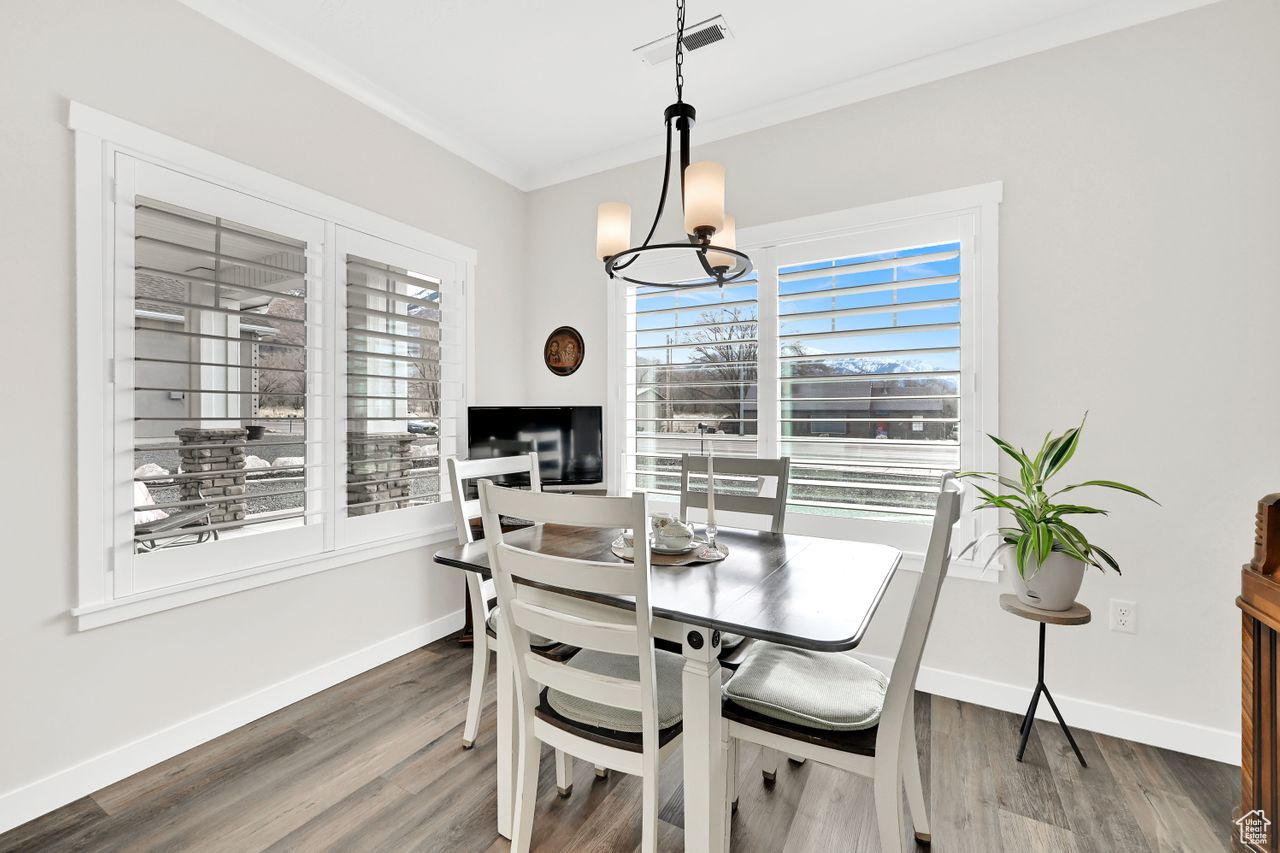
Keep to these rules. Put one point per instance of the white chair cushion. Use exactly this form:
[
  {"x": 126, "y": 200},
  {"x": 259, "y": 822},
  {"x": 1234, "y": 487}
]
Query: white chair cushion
[
  {"x": 820, "y": 690},
  {"x": 730, "y": 641},
  {"x": 535, "y": 640},
  {"x": 668, "y": 669}
]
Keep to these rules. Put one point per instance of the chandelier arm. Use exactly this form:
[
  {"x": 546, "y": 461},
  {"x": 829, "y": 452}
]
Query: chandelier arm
[
  {"x": 706, "y": 267},
  {"x": 662, "y": 197},
  {"x": 662, "y": 200},
  {"x": 684, "y": 124}
]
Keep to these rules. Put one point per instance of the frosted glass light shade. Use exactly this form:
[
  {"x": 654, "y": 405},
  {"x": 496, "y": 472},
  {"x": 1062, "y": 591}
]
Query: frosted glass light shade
[
  {"x": 613, "y": 229},
  {"x": 726, "y": 238},
  {"x": 703, "y": 196}
]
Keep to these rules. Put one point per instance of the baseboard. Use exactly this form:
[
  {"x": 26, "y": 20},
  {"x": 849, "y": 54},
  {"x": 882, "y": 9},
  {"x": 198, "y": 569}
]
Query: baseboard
[
  {"x": 37, "y": 798},
  {"x": 1194, "y": 739}
]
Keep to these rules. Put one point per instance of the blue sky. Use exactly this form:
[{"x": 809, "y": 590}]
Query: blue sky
[{"x": 911, "y": 334}]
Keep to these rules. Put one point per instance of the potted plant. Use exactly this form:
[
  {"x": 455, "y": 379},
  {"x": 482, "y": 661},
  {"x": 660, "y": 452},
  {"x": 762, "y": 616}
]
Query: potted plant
[{"x": 1050, "y": 553}]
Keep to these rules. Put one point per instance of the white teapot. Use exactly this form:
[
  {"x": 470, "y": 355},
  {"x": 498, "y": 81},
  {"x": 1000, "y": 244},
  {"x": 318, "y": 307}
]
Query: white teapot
[{"x": 670, "y": 532}]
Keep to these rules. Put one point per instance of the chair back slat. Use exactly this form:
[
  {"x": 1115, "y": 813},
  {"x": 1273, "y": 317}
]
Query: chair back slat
[
  {"x": 733, "y": 503},
  {"x": 470, "y": 511},
  {"x": 581, "y": 608},
  {"x": 497, "y": 466},
  {"x": 584, "y": 633},
  {"x": 462, "y": 470},
  {"x": 580, "y": 575},
  {"x": 572, "y": 510},
  {"x": 734, "y": 469},
  {"x": 605, "y": 689},
  {"x": 538, "y": 593},
  {"x": 743, "y": 466},
  {"x": 937, "y": 560}
]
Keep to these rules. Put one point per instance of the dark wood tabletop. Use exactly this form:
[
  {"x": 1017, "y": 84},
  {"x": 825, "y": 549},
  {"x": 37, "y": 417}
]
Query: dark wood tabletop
[{"x": 801, "y": 591}]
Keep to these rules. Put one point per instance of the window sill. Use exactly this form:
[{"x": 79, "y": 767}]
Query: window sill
[
  {"x": 969, "y": 570},
  {"x": 97, "y": 614}
]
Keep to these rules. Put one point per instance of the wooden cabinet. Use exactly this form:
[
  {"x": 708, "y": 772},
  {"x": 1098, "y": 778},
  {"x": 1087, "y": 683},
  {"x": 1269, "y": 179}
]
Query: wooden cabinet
[{"x": 1259, "y": 604}]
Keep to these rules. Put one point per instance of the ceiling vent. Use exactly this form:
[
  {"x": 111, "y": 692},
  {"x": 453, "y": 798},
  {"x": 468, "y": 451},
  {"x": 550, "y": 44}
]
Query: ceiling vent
[{"x": 696, "y": 37}]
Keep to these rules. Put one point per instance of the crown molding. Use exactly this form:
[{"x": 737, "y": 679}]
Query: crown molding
[
  {"x": 1056, "y": 32},
  {"x": 1077, "y": 26},
  {"x": 241, "y": 20}
]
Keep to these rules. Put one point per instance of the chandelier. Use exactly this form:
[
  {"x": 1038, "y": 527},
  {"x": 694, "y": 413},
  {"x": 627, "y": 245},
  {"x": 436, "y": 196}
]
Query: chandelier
[{"x": 701, "y": 196}]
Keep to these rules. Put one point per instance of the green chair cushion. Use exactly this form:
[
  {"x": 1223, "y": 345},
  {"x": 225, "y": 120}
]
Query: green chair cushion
[
  {"x": 668, "y": 668},
  {"x": 535, "y": 640},
  {"x": 821, "y": 690}
]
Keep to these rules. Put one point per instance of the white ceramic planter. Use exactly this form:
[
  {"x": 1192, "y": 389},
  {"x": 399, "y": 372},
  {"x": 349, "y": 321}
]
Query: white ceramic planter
[{"x": 1052, "y": 586}]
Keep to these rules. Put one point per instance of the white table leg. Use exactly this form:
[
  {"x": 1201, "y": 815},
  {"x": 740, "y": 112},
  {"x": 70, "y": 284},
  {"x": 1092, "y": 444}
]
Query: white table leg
[
  {"x": 506, "y": 710},
  {"x": 703, "y": 756}
]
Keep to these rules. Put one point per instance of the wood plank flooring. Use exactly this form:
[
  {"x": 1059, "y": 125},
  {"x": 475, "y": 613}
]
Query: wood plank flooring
[{"x": 376, "y": 764}]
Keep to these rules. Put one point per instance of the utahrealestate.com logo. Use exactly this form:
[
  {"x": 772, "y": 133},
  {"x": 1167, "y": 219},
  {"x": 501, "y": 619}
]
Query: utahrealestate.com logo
[{"x": 1253, "y": 828}]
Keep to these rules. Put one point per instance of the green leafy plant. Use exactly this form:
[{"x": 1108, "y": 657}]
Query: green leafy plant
[{"x": 1042, "y": 522}]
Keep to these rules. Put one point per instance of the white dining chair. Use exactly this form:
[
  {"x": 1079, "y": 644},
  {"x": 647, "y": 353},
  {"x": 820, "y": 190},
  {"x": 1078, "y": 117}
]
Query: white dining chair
[
  {"x": 480, "y": 592},
  {"x": 618, "y": 701},
  {"x": 838, "y": 711},
  {"x": 770, "y": 509}
]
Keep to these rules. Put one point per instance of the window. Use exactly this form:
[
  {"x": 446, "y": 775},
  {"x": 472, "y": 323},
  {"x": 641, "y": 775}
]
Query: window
[
  {"x": 283, "y": 376},
  {"x": 869, "y": 380},
  {"x": 691, "y": 372},
  {"x": 217, "y": 363},
  {"x": 220, "y": 355},
  {"x": 878, "y": 375},
  {"x": 404, "y": 313}
]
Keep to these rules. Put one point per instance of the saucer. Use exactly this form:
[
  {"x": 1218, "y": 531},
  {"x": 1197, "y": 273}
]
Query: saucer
[
  {"x": 684, "y": 549},
  {"x": 623, "y": 550}
]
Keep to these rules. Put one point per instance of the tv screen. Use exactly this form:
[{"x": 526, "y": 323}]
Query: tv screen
[{"x": 568, "y": 440}]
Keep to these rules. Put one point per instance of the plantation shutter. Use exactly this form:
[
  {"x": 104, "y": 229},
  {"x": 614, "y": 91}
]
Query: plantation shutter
[
  {"x": 403, "y": 384},
  {"x": 691, "y": 377},
  {"x": 218, "y": 368},
  {"x": 869, "y": 351}
]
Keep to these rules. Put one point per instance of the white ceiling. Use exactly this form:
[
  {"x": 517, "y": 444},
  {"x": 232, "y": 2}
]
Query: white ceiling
[{"x": 540, "y": 91}]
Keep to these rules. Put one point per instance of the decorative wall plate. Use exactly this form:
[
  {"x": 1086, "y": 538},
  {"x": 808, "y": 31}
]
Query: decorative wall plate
[{"x": 563, "y": 352}]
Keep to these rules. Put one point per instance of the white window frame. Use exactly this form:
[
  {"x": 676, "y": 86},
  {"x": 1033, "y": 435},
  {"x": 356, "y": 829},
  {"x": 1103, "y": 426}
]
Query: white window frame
[
  {"x": 103, "y": 595},
  {"x": 974, "y": 213},
  {"x": 378, "y": 526}
]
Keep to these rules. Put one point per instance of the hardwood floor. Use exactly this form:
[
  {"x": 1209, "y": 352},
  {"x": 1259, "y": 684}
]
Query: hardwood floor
[{"x": 376, "y": 763}]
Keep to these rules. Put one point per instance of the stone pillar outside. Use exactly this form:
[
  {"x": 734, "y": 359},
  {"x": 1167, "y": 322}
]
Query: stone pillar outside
[
  {"x": 224, "y": 466},
  {"x": 385, "y": 458}
]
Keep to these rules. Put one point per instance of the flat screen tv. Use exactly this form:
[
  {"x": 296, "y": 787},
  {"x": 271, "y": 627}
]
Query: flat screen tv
[{"x": 569, "y": 440}]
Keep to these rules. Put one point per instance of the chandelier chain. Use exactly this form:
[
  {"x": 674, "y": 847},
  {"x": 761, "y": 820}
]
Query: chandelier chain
[{"x": 680, "y": 50}]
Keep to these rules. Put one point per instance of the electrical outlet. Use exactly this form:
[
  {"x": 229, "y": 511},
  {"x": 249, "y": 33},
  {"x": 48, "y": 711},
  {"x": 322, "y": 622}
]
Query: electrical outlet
[{"x": 1124, "y": 616}]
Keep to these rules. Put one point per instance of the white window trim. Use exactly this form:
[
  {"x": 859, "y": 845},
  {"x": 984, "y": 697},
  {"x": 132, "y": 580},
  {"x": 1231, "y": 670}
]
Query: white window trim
[
  {"x": 979, "y": 206},
  {"x": 99, "y": 137}
]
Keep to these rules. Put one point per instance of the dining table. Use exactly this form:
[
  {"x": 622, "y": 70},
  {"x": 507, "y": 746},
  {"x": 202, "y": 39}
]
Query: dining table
[{"x": 805, "y": 592}]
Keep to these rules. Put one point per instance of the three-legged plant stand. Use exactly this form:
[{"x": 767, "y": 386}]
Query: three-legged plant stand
[{"x": 1077, "y": 615}]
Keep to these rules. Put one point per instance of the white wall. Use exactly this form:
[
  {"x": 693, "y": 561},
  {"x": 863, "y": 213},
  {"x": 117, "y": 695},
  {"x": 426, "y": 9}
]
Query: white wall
[
  {"x": 1141, "y": 199},
  {"x": 69, "y": 697}
]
